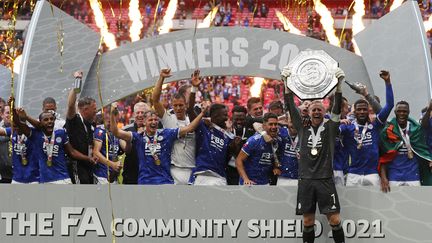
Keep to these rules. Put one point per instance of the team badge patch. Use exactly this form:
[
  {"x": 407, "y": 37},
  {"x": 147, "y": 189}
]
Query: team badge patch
[{"x": 59, "y": 140}]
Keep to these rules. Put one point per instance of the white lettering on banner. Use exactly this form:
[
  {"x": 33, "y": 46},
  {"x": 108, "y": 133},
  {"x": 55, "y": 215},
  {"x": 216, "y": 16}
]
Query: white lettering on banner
[
  {"x": 273, "y": 48},
  {"x": 166, "y": 57},
  {"x": 243, "y": 57},
  {"x": 210, "y": 53},
  {"x": 90, "y": 221},
  {"x": 220, "y": 55},
  {"x": 85, "y": 220},
  {"x": 185, "y": 55},
  {"x": 151, "y": 60},
  {"x": 203, "y": 52},
  {"x": 135, "y": 65},
  {"x": 279, "y": 228},
  {"x": 9, "y": 221},
  {"x": 289, "y": 51},
  {"x": 38, "y": 224},
  {"x": 182, "y": 228}
]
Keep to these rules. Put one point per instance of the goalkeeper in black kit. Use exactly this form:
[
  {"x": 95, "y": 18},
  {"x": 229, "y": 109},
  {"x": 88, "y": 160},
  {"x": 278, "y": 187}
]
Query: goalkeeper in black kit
[{"x": 317, "y": 143}]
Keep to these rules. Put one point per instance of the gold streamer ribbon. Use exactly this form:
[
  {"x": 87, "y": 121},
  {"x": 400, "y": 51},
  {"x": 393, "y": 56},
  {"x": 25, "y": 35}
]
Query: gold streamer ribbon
[
  {"x": 345, "y": 20},
  {"x": 60, "y": 36}
]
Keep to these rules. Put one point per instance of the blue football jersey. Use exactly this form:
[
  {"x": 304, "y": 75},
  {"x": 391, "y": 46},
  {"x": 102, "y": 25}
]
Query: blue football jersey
[
  {"x": 287, "y": 152},
  {"x": 28, "y": 173},
  {"x": 58, "y": 168},
  {"x": 149, "y": 172},
  {"x": 101, "y": 169},
  {"x": 341, "y": 156},
  {"x": 364, "y": 160},
  {"x": 402, "y": 168},
  {"x": 260, "y": 159},
  {"x": 212, "y": 150}
]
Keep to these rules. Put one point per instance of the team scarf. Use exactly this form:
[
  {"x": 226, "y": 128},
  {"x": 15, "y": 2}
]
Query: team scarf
[{"x": 391, "y": 140}]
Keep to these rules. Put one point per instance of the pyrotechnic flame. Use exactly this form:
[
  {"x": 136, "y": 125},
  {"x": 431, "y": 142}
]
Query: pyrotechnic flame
[
  {"x": 357, "y": 22},
  {"x": 168, "y": 18},
  {"x": 428, "y": 24},
  {"x": 209, "y": 18},
  {"x": 17, "y": 64},
  {"x": 135, "y": 18},
  {"x": 108, "y": 37},
  {"x": 327, "y": 22},
  {"x": 396, "y": 3},
  {"x": 288, "y": 26},
  {"x": 255, "y": 90}
]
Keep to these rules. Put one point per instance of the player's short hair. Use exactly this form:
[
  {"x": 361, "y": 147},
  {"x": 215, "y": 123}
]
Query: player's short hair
[
  {"x": 45, "y": 112},
  {"x": 239, "y": 108},
  {"x": 215, "y": 108},
  {"x": 85, "y": 101},
  {"x": 360, "y": 101},
  {"x": 316, "y": 102},
  {"x": 402, "y": 102},
  {"x": 268, "y": 116},
  {"x": 145, "y": 106},
  {"x": 48, "y": 100},
  {"x": 149, "y": 113},
  {"x": 178, "y": 96},
  {"x": 277, "y": 104},
  {"x": 183, "y": 89},
  {"x": 252, "y": 100}
]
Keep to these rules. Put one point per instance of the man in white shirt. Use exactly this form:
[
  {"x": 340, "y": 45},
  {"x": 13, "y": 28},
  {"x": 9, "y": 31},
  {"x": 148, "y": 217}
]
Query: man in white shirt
[{"x": 183, "y": 152}]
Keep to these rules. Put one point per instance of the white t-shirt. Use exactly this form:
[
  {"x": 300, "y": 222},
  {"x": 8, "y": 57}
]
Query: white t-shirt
[{"x": 183, "y": 152}]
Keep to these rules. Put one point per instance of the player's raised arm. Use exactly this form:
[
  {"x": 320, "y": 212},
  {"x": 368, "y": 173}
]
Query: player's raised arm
[{"x": 159, "y": 108}]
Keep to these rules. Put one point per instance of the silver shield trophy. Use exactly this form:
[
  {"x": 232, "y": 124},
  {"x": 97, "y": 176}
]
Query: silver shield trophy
[{"x": 312, "y": 74}]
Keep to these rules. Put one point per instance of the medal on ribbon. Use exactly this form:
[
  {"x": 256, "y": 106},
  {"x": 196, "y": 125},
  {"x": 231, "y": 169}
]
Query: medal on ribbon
[
  {"x": 362, "y": 135},
  {"x": 315, "y": 138},
  {"x": 49, "y": 145},
  {"x": 22, "y": 149},
  {"x": 406, "y": 140},
  {"x": 153, "y": 148}
]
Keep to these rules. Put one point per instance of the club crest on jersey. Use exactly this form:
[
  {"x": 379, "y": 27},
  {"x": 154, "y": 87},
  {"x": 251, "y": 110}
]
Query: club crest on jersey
[
  {"x": 370, "y": 126},
  {"x": 100, "y": 132},
  {"x": 160, "y": 138},
  {"x": 58, "y": 139}
]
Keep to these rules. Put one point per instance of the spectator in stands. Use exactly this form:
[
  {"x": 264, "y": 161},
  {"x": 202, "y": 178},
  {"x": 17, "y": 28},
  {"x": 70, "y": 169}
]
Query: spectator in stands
[
  {"x": 404, "y": 150},
  {"x": 264, "y": 10},
  {"x": 148, "y": 10},
  {"x": 246, "y": 22}
]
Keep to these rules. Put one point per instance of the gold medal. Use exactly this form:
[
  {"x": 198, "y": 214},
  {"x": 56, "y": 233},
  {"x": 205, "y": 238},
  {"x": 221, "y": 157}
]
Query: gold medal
[
  {"x": 24, "y": 160},
  {"x": 410, "y": 154},
  {"x": 157, "y": 162},
  {"x": 359, "y": 146},
  {"x": 49, "y": 163},
  {"x": 314, "y": 151}
]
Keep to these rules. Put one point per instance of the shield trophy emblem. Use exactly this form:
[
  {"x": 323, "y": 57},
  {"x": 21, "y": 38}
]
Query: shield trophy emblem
[{"x": 312, "y": 74}]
